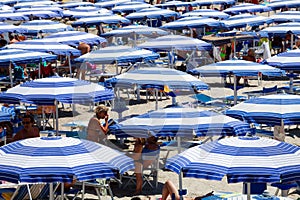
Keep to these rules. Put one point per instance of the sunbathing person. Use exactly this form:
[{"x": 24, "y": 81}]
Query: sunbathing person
[{"x": 29, "y": 130}]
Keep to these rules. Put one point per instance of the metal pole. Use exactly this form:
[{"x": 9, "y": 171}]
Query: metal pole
[
  {"x": 51, "y": 195},
  {"x": 70, "y": 65},
  {"x": 56, "y": 116},
  {"x": 235, "y": 89},
  {"x": 10, "y": 75}
]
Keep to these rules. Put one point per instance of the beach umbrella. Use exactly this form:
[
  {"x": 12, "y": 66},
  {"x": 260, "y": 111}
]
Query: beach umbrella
[
  {"x": 206, "y": 13},
  {"x": 152, "y": 13},
  {"x": 110, "y": 19},
  {"x": 173, "y": 4},
  {"x": 8, "y": 57},
  {"x": 214, "y": 2},
  {"x": 29, "y": 4},
  {"x": 50, "y": 91},
  {"x": 281, "y": 29},
  {"x": 73, "y": 38},
  {"x": 45, "y": 26},
  {"x": 193, "y": 22},
  {"x": 284, "y": 4},
  {"x": 41, "y": 8},
  {"x": 180, "y": 122},
  {"x": 171, "y": 42},
  {"x": 5, "y": 28},
  {"x": 110, "y": 4},
  {"x": 69, "y": 5},
  {"x": 236, "y": 68},
  {"x": 83, "y": 14},
  {"x": 279, "y": 109},
  {"x": 246, "y": 8},
  {"x": 129, "y": 7},
  {"x": 60, "y": 159},
  {"x": 286, "y": 16},
  {"x": 159, "y": 78},
  {"x": 13, "y": 16},
  {"x": 117, "y": 54},
  {"x": 247, "y": 159},
  {"x": 244, "y": 20},
  {"x": 42, "y": 14}
]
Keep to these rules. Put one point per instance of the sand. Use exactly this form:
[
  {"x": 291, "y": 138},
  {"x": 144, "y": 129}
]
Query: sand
[{"x": 195, "y": 187}]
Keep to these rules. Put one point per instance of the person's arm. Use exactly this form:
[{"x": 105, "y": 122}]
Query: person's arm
[{"x": 105, "y": 127}]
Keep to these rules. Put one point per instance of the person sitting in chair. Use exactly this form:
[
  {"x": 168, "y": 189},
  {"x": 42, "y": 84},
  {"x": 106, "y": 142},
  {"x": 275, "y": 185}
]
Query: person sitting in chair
[{"x": 29, "y": 131}]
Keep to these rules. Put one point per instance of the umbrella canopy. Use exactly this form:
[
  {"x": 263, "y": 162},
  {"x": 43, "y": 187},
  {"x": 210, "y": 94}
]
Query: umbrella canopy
[
  {"x": 271, "y": 109},
  {"x": 284, "y": 4},
  {"x": 117, "y": 54},
  {"x": 44, "y": 46},
  {"x": 43, "y": 14},
  {"x": 75, "y": 4},
  {"x": 19, "y": 56},
  {"x": 193, "y": 22},
  {"x": 13, "y": 17},
  {"x": 136, "y": 29},
  {"x": 281, "y": 29},
  {"x": 173, "y": 4},
  {"x": 246, "y": 8},
  {"x": 46, "y": 91},
  {"x": 45, "y": 26},
  {"x": 244, "y": 20},
  {"x": 58, "y": 159},
  {"x": 240, "y": 159},
  {"x": 177, "y": 121},
  {"x": 286, "y": 16},
  {"x": 39, "y": 8},
  {"x": 110, "y": 19},
  {"x": 214, "y": 2},
  {"x": 152, "y": 13},
  {"x": 171, "y": 42},
  {"x": 236, "y": 67},
  {"x": 130, "y": 7},
  {"x": 73, "y": 38},
  {"x": 110, "y": 4},
  {"x": 29, "y": 4},
  {"x": 206, "y": 13},
  {"x": 286, "y": 60},
  {"x": 83, "y": 14},
  {"x": 4, "y": 28}
]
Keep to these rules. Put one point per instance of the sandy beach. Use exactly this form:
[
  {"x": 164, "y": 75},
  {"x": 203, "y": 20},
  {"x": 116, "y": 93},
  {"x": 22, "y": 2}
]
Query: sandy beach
[{"x": 195, "y": 187}]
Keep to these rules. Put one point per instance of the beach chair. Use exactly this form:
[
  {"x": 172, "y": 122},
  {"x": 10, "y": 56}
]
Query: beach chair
[
  {"x": 101, "y": 187},
  {"x": 284, "y": 187},
  {"x": 271, "y": 90},
  {"x": 23, "y": 191}
]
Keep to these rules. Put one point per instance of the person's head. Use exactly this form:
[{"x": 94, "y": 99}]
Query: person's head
[
  {"x": 251, "y": 52},
  {"x": 101, "y": 111},
  {"x": 27, "y": 121}
]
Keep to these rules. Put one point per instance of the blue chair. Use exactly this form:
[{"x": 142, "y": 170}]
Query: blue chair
[
  {"x": 284, "y": 187},
  {"x": 271, "y": 90}
]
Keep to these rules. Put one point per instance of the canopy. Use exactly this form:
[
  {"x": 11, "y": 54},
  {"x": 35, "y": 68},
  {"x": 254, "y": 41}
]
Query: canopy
[
  {"x": 286, "y": 16},
  {"x": 284, "y": 4},
  {"x": 5, "y": 28},
  {"x": 111, "y": 19},
  {"x": 246, "y": 8},
  {"x": 206, "y": 13},
  {"x": 13, "y": 17},
  {"x": 83, "y": 14},
  {"x": 131, "y": 7},
  {"x": 136, "y": 29},
  {"x": 282, "y": 29},
  {"x": 110, "y": 4},
  {"x": 286, "y": 61},
  {"x": 43, "y": 14},
  {"x": 45, "y": 26},
  {"x": 34, "y": 3},
  {"x": 215, "y": 2},
  {"x": 152, "y": 13},
  {"x": 244, "y": 20}
]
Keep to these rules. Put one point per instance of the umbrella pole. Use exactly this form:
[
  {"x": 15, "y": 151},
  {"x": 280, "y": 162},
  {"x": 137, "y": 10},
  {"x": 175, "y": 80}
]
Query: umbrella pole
[
  {"x": 62, "y": 188},
  {"x": 180, "y": 186},
  {"x": 10, "y": 75},
  {"x": 291, "y": 89},
  {"x": 156, "y": 98},
  {"x": 70, "y": 66},
  {"x": 51, "y": 195},
  {"x": 234, "y": 89},
  {"x": 116, "y": 68},
  {"x": 83, "y": 190},
  {"x": 248, "y": 191},
  {"x": 56, "y": 116},
  {"x": 39, "y": 69}
]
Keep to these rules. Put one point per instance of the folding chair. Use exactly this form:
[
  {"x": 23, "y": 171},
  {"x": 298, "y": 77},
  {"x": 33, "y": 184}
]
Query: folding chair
[
  {"x": 284, "y": 187},
  {"x": 101, "y": 187},
  {"x": 271, "y": 90},
  {"x": 24, "y": 191}
]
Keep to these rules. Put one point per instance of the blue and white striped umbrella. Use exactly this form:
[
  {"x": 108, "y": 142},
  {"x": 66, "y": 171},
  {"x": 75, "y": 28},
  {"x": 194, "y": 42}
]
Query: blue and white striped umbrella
[
  {"x": 43, "y": 46},
  {"x": 193, "y": 22},
  {"x": 42, "y": 14},
  {"x": 81, "y": 14},
  {"x": 286, "y": 61},
  {"x": 244, "y": 20},
  {"x": 75, "y": 4},
  {"x": 181, "y": 122},
  {"x": 173, "y": 4},
  {"x": 152, "y": 13},
  {"x": 73, "y": 38},
  {"x": 46, "y": 91},
  {"x": 117, "y": 54},
  {"x": 206, "y": 13},
  {"x": 110, "y": 19},
  {"x": 19, "y": 56},
  {"x": 6, "y": 114},
  {"x": 136, "y": 29},
  {"x": 282, "y": 29},
  {"x": 270, "y": 109},
  {"x": 45, "y": 26},
  {"x": 13, "y": 17},
  {"x": 246, "y": 8},
  {"x": 214, "y": 2},
  {"x": 171, "y": 42},
  {"x": 240, "y": 159},
  {"x": 286, "y": 16},
  {"x": 5, "y": 28},
  {"x": 284, "y": 4},
  {"x": 39, "y": 8},
  {"x": 236, "y": 67},
  {"x": 58, "y": 159},
  {"x": 110, "y": 4},
  {"x": 29, "y": 4},
  {"x": 129, "y": 7}
]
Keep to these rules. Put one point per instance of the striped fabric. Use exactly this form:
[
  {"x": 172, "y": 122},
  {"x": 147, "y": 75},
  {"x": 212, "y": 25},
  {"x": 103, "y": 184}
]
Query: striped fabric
[
  {"x": 4, "y": 28},
  {"x": 246, "y": 8},
  {"x": 152, "y": 13},
  {"x": 34, "y": 3},
  {"x": 244, "y": 20},
  {"x": 137, "y": 29},
  {"x": 5, "y": 117},
  {"x": 206, "y": 13},
  {"x": 22, "y": 56},
  {"x": 215, "y": 2},
  {"x": 59, "y": 159},
  {"x": 66, "y": 90},
  {"x": 180, "y": 122},
  {"x": 237, "y": 67},
  {"x": 193, "y": 22},
  {"x": 240, "y": 159},
  {"x": 131, "y": 7},
  {"x": 110, "y": 4},
  {"x": 13, "y": 17},
  {"x": 287, "y": 16},
  {"x": 270, "y": 109},
  {"x": 290, "y": 27},
  {"x": 81, "y": 14},
  {"x": 172, "y": 4},
  {"x": 43, "y": 14},
  {"x": 45, "y": 26},
  {"x": 44, "y": 46},
  {"x": 160, "y": 77},
  {"x": 170, "y": 42},
  {"x": 286, "y": 60},
  {"x": 37, "y": 8},
  {"x": 119, "y": 54},
  {"x": 69, "y": 5},
  {"x": 284, "y": 4},
  {"x": 110, "y": 19},
  {"x": 74, "y": 38}
]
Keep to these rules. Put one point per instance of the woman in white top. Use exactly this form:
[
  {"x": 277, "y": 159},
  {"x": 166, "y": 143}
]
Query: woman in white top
[{"x": 96, "y": 131}]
